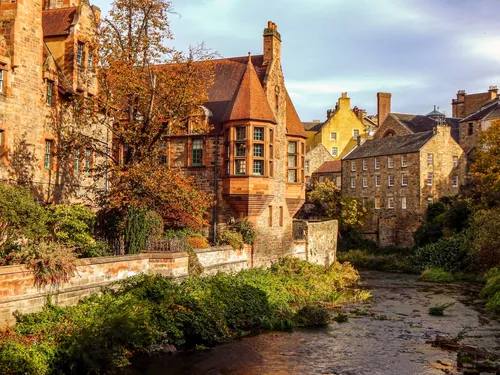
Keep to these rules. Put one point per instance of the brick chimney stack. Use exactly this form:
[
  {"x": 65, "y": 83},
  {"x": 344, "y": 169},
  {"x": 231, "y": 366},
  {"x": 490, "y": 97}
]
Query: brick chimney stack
[
  {"x": 360, "y": 113},
  {"x": 272, "y": 43},
  {"x": 383, "y": 106},
  {"x": 493, "y": 90}
]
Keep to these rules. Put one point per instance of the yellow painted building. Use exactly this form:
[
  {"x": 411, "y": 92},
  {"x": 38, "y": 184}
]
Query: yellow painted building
[{"x": 340, "y": 132}]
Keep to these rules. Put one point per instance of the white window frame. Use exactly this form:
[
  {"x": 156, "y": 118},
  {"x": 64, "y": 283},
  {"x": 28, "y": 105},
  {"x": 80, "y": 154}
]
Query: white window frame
[
  {"x": 353, "y": 182},
  {"x": 455, "y": 180},
  {"x": 430, "y": 178},
  {"x": 390, "y": 180},
  {"x": 379, "y": 201},
  {"x": 404, "y": 161},
  {"x": 455, "y": 161},
  {"x": 390, "y": 162},
  {"x": 365, "y": 164},
  {"x": 403, "y": 203},
  {"x": 353, "y": 166},
  {"x": 2, "y": 80},
  {"x": 333, "y": 136},
  {"x": 403, "y": 183},
  {"x": 79, "y": 53},
  {"x": 430, "y": 159},
  {"x": 338, "y": 181},
  {"x": 334, "y": 151},
  {"x": 378, "y": 180},
  {"x": 355, "y": 134},
  {"x": 365, "y": 182},
  {"x": 390, "y": 203},
  {"x": 377, "y": 163}
]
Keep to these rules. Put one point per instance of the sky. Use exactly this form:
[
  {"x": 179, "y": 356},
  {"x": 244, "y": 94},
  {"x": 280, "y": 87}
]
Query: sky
[{"x": 421, "y": 51}]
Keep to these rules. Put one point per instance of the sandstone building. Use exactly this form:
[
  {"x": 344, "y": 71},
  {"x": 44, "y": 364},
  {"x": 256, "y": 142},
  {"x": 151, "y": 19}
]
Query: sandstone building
[
  {"x": 466, "y": 104},
  {"x": 253, "y": 160},
  {"x": 46, "y": 57},
  {"x": 329, "y": 170},
  {"x": 316, "y": 156},
  {"x": 396, "y": 177}
]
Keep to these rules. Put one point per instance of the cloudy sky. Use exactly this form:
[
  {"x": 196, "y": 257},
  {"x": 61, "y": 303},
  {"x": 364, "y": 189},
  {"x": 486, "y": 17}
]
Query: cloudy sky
[{"x": 422, "y": 51}]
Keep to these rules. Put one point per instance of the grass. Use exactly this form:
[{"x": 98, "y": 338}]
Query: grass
[
  {"x": 381, "y": 260},
  {"x": 439, "y": 310},
  {"x": 437, "y": 275}
]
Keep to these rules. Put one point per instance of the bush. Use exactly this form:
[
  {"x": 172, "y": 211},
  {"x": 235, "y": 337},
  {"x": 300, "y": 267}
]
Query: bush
[
  {"x": 198, "y": 242},
  {"x": 485, "y": 228},
  {"x": 437, "y": 275},
  {"x": 230, "y": 237},
  {"x": 450, "y": 254},
  {"x": 492, "y": 290},
  {"x": 379, "y": 261},
  {"x": 312, "y": 316},
  {"x": 246, "y": 229}
]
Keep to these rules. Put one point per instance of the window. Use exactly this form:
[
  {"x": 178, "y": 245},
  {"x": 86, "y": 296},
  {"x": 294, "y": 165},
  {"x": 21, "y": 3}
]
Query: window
[
  {"x": 76, "y": 161},
  {"x": 90, "y": 61},
  {"x": 471, "y": 128},
  {"x": 430, "y": 200},
  {"x": 258, "y": 150},
  {"x": 335, "y": 151},
  {"x": 333, "y": 136},
  {"x": 377, "y": 163},
  {"x": 321, "y": 178},
  {"x": 403, "y": 203},
  {"x": 241, "y": 133},
  {"x": 390, "y": 180},
  {"x": 227, "y": 167},
  {"x": 163, "y": 153},
  {"x": 197, "y": 152},
  {"x": 48, "y": 96},
  {"x": 338, "y": 181},
  {"x": 365, "y": 165},
  {"x": 390, "y": 162},
  {"x": 87, "y": 162},
  {"x": 455, "y": 161},
  {"x": 258, "y": 134},
  {"x": 353, "y": 166},
  {"x": 258, "y": 167},
  {"x": 2, "y": 72},
  {"x": 377, "y": 203},
  {"x": 270, "y": 209},
  {"x": 365, "y": 182},
  {"x": 404, "y": 180},
  {"x": 292, "y": 162},
  {"x": 355, "y": 134},
  {"x": 430, "y": 160},
  {"x": 308, "y": 166},
  {"x": 240, "y": 167},
  {"x": 282, "y": 216},
  {"x": 353, "y": 182},
  {"x": 2, "y": 141},
  {"x": 390, "y": 202},
  {"x": 79, "y": 54},
  {"x": 404, "y": 161},
  {"x": 48, "y": 154},
  {"x": 455, "y": 180},
  {"x": 240, "y": 149},
  {"x": 430, "y": 178},
  {"x": 377, "y": 180}
]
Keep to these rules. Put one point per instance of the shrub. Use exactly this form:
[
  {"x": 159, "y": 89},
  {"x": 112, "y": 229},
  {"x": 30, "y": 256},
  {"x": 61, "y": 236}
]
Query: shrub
[
  {"x": 450, "y": 254},
  {"x": 485, "y": 228},
  {"x": 247, "y": 230},
  {"x": 230, "y": 237},
  {"x": 198, "y": 242},
  {"x": 492, "y": 290},
  {"x": 312, "y": 316},
  {"x": 437, "y": 275},
  {"x": 380, "y": 261},
  {"x": 97, "y": 249}
]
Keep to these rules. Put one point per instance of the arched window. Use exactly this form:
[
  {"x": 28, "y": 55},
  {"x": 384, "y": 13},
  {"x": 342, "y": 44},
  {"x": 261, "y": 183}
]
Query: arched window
[{"x": 389, "y": 133}]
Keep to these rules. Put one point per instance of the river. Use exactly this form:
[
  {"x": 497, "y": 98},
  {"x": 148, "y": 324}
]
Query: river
[{"x": 388, "y": 335}]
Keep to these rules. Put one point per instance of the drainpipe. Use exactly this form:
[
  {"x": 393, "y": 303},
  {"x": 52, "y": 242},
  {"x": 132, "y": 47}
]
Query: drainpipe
[{"x": 215, "y": 214}]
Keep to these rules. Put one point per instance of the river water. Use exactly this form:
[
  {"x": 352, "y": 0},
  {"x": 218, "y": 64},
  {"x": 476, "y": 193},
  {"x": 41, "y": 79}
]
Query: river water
[{"x": 384, "y": 336}]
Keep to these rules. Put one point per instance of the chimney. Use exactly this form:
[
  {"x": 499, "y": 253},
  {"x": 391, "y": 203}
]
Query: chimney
[
  {"x": 272, "y": 43},
  {"x": 344, "y": 101},
  {"x": 360, "y": 113},
  {"x": 493, "y": 90},
  {"x": 383, "y": 106},
  {"x": 330, "y": 113}
]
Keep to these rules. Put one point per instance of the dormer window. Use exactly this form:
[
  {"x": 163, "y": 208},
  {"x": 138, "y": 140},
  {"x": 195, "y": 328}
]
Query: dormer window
[
  {"x": 48, "y": 94},
  {"x": 79, "y": 54}
]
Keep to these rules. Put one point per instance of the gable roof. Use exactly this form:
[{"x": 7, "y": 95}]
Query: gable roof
[
  {"x": 490, "y": 110},
  {"x": 405, "y": 144},
  {"x": 330, "y": 167},
  {"x": 293, "y": 123},
  {"x": 249, "y": 101},
  {"x": 57, "y": 22},
  {"x": 312, "y": 126},
  {"x": 419, "y": 123}
]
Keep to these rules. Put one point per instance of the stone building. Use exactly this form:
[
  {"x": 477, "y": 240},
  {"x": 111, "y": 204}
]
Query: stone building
[
  {"x": 315, "y": 157},
  {"x": 330, "y": 170},
  {"x": 466, "y": 104},
  {"x": 397, "y": 124},
  {"x": 46, "y": 57},
  {"x": 397, "y": 177},
  {"x": 253, "y": 160}
]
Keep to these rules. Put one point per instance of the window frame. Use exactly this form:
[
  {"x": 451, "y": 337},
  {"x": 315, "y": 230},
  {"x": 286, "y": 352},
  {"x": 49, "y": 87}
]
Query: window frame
[
  {"x": 470, "y": 129},
  {"x": 391, "y": 180},
  {"x": 197, "y": 153},
  {"x": 355, "y": 134},
  {"x": 404, "y": 203},
  {"x": 404, "y": 177},
  {"x": 293, "y": 170},
  {"x": 336, "y": 153},
  {"x": 430, "y": 178},
  {"x": 455, "y": 180},
  {"x": 2, "y": 80},
  {"x": 79, "y": 53},
  {"x": 390, "y": 162},
  {"x": 49, "y": 93},
  {"x": 378, "y": 180},
  {"x": 365, "y": 182},
  {"x": 365, "y": 164},
  {"x": 333, "y": 136},
  {"x": 353, "y": 182},
  {"x": 379, "y": 201},
  {"x": 430, "y": 159},
  {"x": 404, "y": 161},
  {"x": 377, "y": 163},
  {"x": 455, "y": 161},
  {"x": 47, "y": 160},
  {"x": 255, "y": 163},
  {"x": 390, "y": 203},
  {"x": 353, "y": 166}
]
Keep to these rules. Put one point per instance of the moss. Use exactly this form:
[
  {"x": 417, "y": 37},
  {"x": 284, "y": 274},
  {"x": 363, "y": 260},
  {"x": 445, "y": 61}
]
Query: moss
[{"x": 437, "y": 275}]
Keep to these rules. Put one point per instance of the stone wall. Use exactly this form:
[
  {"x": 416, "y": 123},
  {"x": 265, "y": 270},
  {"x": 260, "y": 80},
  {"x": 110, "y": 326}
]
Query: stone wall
[
  {"x": 224, "y": 258},
  {"x": 315, "y": 242}
]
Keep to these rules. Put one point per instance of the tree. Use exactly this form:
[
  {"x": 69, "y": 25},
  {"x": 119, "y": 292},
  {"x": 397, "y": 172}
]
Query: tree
[
  {"x": 147, "y": 92},
  {"x": 484, "y": 185},
  {"x": 330, "y": 203}
]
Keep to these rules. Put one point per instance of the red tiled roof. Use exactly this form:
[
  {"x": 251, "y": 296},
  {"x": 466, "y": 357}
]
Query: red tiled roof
[
  {"x": 330, "y": 167},
  {"x": 250, "y": 101},
  {"x": 293, "y": 124},
  {"x": 57, "y": 21}
]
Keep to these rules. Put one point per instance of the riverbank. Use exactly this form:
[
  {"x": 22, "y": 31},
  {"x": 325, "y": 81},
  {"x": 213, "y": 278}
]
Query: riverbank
[
  {"x": 389, "y": 335},
  {"x": 146, "y": 314}
]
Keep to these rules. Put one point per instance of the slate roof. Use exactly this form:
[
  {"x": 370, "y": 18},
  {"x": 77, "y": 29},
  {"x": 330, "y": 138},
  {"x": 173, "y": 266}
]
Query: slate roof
[
  {"x": 490, "y": 110},
  {"x": 419, "y": 123},
  {"x": 330, "y": 167},
  {"x": 312, "y": 126},
  {"x": 405, "y": 144},
  {"x": 56, "y": 22},
  {"x": 249, "y": 101}
]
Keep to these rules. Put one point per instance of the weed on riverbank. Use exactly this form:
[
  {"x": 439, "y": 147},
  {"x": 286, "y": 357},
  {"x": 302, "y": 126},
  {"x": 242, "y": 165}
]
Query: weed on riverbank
[{"x": 146, "y": 313}]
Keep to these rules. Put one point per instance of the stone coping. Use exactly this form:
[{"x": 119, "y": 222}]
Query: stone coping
[{"x": 216, "y": 248}]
